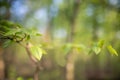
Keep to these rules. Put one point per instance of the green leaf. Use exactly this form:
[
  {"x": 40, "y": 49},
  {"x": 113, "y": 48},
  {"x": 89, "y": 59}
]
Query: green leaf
[
  {"x": 36, "y": 52},
  {"x": 97, "y": 50},
  {"x": 43, "y": 51},
  {"x": 20, "y": 78},
  {"x": 13, "y": 32},
  {"x": 112, "y": 50},
  {"x": 79, "y": 47},
  {"x": 9, "y": 33},
  {"x": 67, "y": 47},
  {"x": 38, "y": 34},
  {"x": 7, "y": 43},
  {"x": 28, "y": 37},
  {"x": 90, "y": 50},
  {"x": 101, "y": 43}
]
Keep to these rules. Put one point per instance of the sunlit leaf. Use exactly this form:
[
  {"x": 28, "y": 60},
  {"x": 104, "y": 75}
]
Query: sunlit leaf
[
  {"x": 97, "y": 50},
  {"x": 67, "y": 47},
  {"x": 38, "y": 34},
  {"x": 79, "y": 47},
  {"x": 36, "y": 52},
  {"x": 112, "y": 50},
  {"x": 44, "y": 52},
  {"x": 20, "y": 78},
  {"x": 101, "y": 43}
]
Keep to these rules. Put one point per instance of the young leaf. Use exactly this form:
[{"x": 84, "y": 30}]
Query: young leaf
[
  {"x": 43, "y": 51},
  {"x": 38, "y": 34},
  {"x": 97, "y": 50},
  {"x": 9, "y": 33},
  {"x": 28, "y": 37},
  {"x": 36, "y": 52},
  {"x": 67, "y": 47},
  {"x": 112, "y": 50},
  {"x": 101, "y": 43}
]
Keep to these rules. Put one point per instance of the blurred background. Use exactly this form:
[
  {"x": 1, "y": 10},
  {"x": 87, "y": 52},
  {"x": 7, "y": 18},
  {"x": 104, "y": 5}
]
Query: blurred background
[{"x": 63, "y": 22}]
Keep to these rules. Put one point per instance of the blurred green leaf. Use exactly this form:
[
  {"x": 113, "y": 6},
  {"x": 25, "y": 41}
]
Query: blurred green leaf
[
  {"x": 112, "y": 50},
  {"x": 7, "y": 43},
  {"x": 30, "y": 79},
  {"x": 101, "y": 43},
  {"x": 36, "y": 52},
  {"x": 90, "y": 50},
  {"x": 9, "y": 33},
  {"x": 28, "y": 37},
  {"x": 97, "y": 50},
  {"x": 20, "y": 78},
  {"x": 38, "y": 34},
  {"x": 67, "y": 47},
  {"x": 43, "y": 52},
  {"x": 79, "y": 47}
]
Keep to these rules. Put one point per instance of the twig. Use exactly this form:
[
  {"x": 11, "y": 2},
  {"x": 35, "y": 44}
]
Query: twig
[
  {"x": 36, "y": 74},
  {"x": 35, "y": 61}
]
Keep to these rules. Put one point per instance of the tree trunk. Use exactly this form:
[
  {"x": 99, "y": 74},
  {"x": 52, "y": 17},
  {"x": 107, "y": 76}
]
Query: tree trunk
[
  {"x": 1, "y": 64},
  {"x": 6, "y": 16},
  {"x": 70, "y": 67}
]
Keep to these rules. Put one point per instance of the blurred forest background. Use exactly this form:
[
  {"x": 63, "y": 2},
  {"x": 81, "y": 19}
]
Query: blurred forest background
[{"x": 64, "y": 22}]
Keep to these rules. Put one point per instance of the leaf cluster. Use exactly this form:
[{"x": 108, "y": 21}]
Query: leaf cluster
[
  {"x": 95, "y": 48},
  {"x": 12, "y": 32}
]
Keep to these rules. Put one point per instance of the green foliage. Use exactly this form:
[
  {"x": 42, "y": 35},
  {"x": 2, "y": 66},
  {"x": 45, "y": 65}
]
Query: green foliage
[
  {"x": 15, "y": 33},
  {"x": 7, "y": 43},
  {"x": 112, "y": 50},
  {"x": 20, "y": 78},
  {"x": 90, "y": 21},
  {"x": 101, "y": 43},
  {"x": 96, "y": 48},
  {"x": 69, "y": 46},
  {"x": 37, "y": 51},
  {"x": 12, "y": 32}
]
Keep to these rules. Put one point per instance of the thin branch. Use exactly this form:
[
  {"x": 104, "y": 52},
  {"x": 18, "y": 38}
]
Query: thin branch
[
  {"x": 34, "y": 60},
  {"x": 36, "y": 74}
]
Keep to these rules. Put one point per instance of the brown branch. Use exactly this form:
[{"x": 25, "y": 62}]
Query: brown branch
[
  {"x": 34, "y": 60},
  {"x": 36, "y": 74}
]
